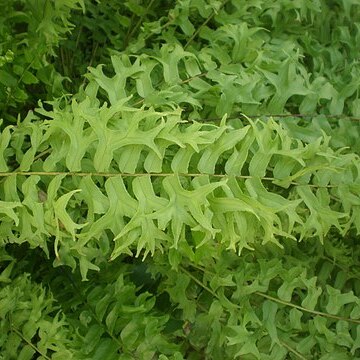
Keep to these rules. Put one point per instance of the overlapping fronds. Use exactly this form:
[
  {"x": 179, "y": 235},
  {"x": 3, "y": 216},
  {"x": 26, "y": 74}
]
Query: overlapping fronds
[
  {"x": 155, "y": 182},
  {"x": 33, "y": 325},
  {"x": 268, "y": 310},
  {"x": 159, "y": 211}
]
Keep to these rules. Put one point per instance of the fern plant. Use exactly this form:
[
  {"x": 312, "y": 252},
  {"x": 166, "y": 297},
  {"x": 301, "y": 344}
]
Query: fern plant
[
  {"x": 133, "y": 227},
  {"x": 100, "y": 182}
]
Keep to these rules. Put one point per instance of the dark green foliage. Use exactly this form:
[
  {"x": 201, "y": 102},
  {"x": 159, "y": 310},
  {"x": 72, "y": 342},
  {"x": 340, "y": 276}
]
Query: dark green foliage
[{"x": 30, "y": 32}]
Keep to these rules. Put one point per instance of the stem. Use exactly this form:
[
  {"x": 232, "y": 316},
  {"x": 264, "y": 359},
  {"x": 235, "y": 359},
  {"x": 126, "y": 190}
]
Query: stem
[
  {"x": 104, "y": 174},
  {"x": 17, "y": 332},
  {"x": 314, "y": 312},
  {"x": 91, "y": 60},
  {"x": 132, "y": 32},
  {"x": 301, "y": 116},
  {"x": 200, "y": 283},
  {"x": 196, "y": 33},
  {"x": 288, "y": 347}
]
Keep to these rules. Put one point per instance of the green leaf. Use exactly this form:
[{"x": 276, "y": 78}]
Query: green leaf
[
  {"x": 6, "y": 208},
  {"x": 63, "y": 216},
  {"x": 26, "y": 353},
  {"x": 337, "y": 299},
  {"x": 7, "y": 79},
  {"x": 107, "y": 350},
  {"x": 313, "y": 294},
  {"x": 269, "y": 317},
  {"x": 5, "y": 137}
]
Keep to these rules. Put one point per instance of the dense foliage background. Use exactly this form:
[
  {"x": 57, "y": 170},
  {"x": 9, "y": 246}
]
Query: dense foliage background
[{"x": 179, "y": 180}]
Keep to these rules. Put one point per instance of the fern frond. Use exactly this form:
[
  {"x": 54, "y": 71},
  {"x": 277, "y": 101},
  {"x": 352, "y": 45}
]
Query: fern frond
[{"x": 237, "y": 207}]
